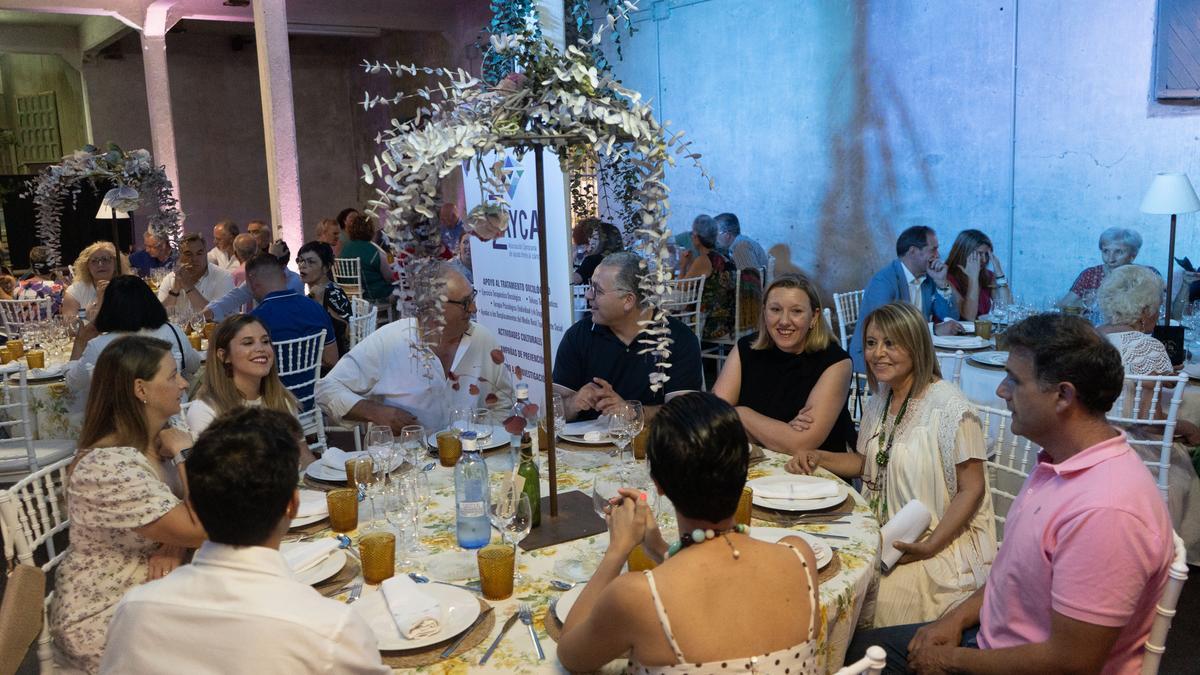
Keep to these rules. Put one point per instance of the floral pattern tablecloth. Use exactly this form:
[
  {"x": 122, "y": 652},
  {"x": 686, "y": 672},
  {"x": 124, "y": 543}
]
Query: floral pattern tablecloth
[{"x": 842, "y": 597}]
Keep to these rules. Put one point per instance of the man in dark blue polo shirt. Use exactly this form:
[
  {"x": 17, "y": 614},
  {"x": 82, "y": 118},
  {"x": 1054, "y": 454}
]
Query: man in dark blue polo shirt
[
  {"x": 288, "y": 314},
  {"x": 598, "y": 365}
]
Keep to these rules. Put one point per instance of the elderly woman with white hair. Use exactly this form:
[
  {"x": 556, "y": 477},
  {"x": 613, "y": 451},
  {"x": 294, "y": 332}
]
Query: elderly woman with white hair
[
  {"x": 1129, "y": 299},
  {"x": 1118, "y": 247}
]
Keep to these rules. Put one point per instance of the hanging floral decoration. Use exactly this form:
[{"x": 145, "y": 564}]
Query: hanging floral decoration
[
  {"x": 138, "y": 183},
  {"x": 559, "y": 100}
]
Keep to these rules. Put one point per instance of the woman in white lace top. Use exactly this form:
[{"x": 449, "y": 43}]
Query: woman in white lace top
[{"x": 920, "y": 439}]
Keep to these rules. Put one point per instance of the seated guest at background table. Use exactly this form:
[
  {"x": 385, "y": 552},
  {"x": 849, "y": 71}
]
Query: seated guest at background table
[
  {"x": 716, "y": 302},
  {"x": 315, "y": 262},
  {"x": 157, "y": 253},
  {"x": 1129, "y": 299},
  {"x": 329, "y": 232},
  {"x": 243, "y": 374},
  {"x": 237, "y": 603},
  {"x": 967, "y": 271},
  {"x": 792, "y": 363},
  {"x": 222, "y": 254},
  {"x": 130, "y": 521},
  {"x": 262, "y": 233},
  {"x": 920, "y": 440},
  {"x": 1087, "y": 543},
  {"x": 194, "y": 282},
  {"x": 94, "y": 268},
  {"x": 916, "y": 276},
  {"x": 391, "y": 378},
  {"x": 286, "y": 313},
  {"x": 343, "y": 219},
  {"x": 241, "y": 298},
  {"x": 705, "y": 604},
  {"x": 581, "y": 237},
  {"x": 451, "y": 225},
  {"x": 245, "y": 246},
  {"x": 742, "y": 250},
  {"x": 605, "y": 239},
  {"x": 1119, "y": 246},
  {"x": 41, "y": 281},
  {"x": 598, "y": 365},
  {"x": 133, "y": 311},
  {"x": 373, "y": 268},
  {"x": 462, "y": 257}
]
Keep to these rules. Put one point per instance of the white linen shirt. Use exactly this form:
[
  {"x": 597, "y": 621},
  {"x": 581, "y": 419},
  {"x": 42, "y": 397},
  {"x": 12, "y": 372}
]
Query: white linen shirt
[
  {"x": 226, "y": 261},
  {"x": 914, "y": 287},
  {"x": 389, "y": 367},
  {"x": 215, "y": 283},
  {"x": 236, "y": 609}
]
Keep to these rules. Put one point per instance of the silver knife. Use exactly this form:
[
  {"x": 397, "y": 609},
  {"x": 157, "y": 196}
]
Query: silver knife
[
  {"x": 482, "y": 615},
  {"x": 495, "y": 643}
]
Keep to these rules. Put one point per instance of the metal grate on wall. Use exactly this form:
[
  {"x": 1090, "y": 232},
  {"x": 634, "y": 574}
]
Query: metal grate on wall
[
  {"x": 38, "y": 138},
  {"x": 1177, "y": 50}
]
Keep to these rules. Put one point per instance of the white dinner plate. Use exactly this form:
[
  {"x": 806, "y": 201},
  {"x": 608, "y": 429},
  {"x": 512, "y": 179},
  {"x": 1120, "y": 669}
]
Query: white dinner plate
[
  {"x": 309, "y": 520},
  {"x": 323, "y": 570},
  {"x": 960, "y": 342},
  {"x": 50, "y": 372},
  {"x": 798, "y": 504},
  {"x": 498, "y": 438},
  {"x": 459, "y": 611},
  {"x": 991, "y": 359},
  {"x": 604, "y": 439},
  {"x": 822, "y": 550},
  {"x": 566, "y": 601},
  {"x": 329, "y": 474},
  {"x": 968, "y": 327}
]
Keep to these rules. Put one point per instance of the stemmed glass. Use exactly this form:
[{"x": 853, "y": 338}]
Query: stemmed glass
[
  {"x": 623, "y": 425},
  {"x": 518, "y": 528},
  {"x": 511, "y": 515},
  {"x": 402, "y": 509},
  {"x": 381, "y": 450},
  {"x": 412, "y": 444},
  {"x": 417, "y": 482},
  {"x": 560, "y": 412},
  {"x": 636, "y": 417}
]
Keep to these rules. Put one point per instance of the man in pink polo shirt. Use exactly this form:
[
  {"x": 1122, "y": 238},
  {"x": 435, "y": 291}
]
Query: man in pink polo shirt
[{"x": 1087, "y": 543}]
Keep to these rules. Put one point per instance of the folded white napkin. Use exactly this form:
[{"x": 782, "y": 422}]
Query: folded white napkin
[
  {"x": 797, "y": 490},
  {"x": 907, "y": 526},
  {"x": 312, "y": 503},
  {"x": 335, "y": 458},
  {"x": 417, "y": 614},
  {"x": 956, "y": 341},
  {"x": 308, "y": 554},
  {"x": 599, "y": 424}
]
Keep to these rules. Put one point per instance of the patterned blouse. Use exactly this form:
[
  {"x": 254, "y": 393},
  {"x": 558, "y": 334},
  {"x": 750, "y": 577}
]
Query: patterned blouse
[{"x": 36, "y": 288}]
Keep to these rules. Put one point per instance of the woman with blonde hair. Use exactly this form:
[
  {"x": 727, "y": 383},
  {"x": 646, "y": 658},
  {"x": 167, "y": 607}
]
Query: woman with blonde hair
[
  {"x": 96, "y": 265},
  {"x": 967, "y": 271},
  {"x": 791, "y": 365},
  {"x": 126, "y": 495},
  {"x": 920, "y": 440}
]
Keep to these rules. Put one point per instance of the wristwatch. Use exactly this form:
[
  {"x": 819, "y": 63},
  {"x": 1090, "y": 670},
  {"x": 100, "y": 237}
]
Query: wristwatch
[
  {"x": 181, "y": 457},
  {"x": 173, "y": 293}
]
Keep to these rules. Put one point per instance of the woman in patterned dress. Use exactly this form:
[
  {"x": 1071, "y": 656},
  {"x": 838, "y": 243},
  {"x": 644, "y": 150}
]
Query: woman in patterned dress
[
  {"x": 130, "y": 522},
  {"x": 1119, "y": 246},
  {"x": 315, "y": 264},
  {"x": 716, "y": 304}
]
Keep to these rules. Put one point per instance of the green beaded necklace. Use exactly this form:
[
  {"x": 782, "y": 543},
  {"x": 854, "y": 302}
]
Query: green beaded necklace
[{"x": 884, "y": 456}]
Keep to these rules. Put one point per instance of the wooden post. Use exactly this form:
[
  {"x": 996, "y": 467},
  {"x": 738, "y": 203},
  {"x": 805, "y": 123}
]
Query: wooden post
[{"x": 548, "y": 412}]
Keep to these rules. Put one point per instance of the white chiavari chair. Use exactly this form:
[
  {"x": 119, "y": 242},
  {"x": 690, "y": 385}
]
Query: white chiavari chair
[
  {"x": 347, "y": 273},
  {"x": 364, "y": 318},
  {"x": 579, "y": 305},
  {"x": 681, "y": 299},
  {"x": 1138, "y": 409},
  {"x": 1009, "y": 460},
  {"x": 860, "y": 393},
  {"x": 747, "y": 306},
  {"x": 847, "y": 306},
  {"x": 16, "y": 314},
  {"x": 828, "y": 316},
  {"x": 21, "y": 615},
  {"x": 956, "y": 376},
  {"x": 871, "y": 664},
  {"x": 299, "y": 364},
  {"x": 1164, "y": 610},
  {"x": 20, "y": 453},
  {"x": 32, "y": 512}
]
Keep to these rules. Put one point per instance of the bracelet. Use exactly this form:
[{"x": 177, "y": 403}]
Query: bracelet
[
  {"x": 999, "y": 277},
  {"x": 173, "y": 293}
]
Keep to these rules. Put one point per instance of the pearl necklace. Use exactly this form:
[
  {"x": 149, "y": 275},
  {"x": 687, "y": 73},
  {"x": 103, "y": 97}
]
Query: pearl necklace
[{"x": 698, "y": 536}]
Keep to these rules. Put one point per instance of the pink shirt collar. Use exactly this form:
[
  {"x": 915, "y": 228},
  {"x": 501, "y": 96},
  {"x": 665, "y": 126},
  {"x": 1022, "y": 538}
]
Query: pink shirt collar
[{"x": 1088, "y": 457}]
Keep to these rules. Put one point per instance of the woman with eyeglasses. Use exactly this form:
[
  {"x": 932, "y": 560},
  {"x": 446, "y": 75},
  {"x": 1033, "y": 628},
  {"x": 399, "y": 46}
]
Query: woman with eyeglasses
[
  {"x": 315, "y": 263},
  {"x": 94, "y": 268},
  {"x": 920, "y": 440}
]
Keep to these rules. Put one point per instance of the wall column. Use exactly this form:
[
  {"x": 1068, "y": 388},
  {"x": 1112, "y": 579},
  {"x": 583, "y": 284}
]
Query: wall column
[
  {"x": 158, "y": 99},
  {"x": 279, "y": 120}
]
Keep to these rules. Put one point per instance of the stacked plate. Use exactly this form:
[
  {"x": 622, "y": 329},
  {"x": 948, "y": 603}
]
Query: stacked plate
[
  {"x": 318, "y": 570},
  {"x": 961, "y": 342},
  {"x": 460, "y": 608},
  {"x": 798, "y": 493},
  {"x": 323, "y": 471},
  {"x": 497, "y": 438},
  {"x": 313, "y": 508},
  {"x": 990, "y": 359}
]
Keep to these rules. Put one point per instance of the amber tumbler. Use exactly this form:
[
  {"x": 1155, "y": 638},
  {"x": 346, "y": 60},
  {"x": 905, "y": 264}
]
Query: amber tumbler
[
  {"x": 745, "y": 506},
  {"x": 983, "y": 328},
  {"x": 378, "y": 553},
  {"x": 35, "y": 358},
  {"x": 359, "y": 471},
  {"x": 449, "y": 448},
  {"x": 638, "y": 561},
  {"x": 343, "y": 509},
  {"x": 496, "y": 570}
]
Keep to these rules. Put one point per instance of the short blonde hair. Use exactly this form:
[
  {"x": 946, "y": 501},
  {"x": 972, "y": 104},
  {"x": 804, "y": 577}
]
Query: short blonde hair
[
  {"x": 82, "y": 273},
  {"x": 1127, "y": 292},
  {"x": 906, "y": 326},
  {"x": 820, "y": 335}
]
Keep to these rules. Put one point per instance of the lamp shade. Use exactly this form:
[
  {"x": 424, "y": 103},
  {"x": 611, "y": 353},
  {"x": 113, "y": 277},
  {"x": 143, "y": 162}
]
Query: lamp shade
[
  {"x": 1170, "y": 193},
  {"x": 105, "y": 212}
]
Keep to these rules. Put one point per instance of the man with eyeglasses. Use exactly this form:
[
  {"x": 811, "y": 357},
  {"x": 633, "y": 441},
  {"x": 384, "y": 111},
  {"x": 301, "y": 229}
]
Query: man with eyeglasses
[
  {"x": 195, "y": 281},
  {"x": 599, "y": 365},
  {"x": 391, "y": 378}
]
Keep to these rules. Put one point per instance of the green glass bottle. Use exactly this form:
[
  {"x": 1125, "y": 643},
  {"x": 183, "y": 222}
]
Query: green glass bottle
[{"x": 533, "y": 487}]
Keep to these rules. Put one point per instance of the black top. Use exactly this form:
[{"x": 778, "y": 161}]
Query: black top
[
  {"x": 589, "y": 350},
  {"x": 777, "y": 384},
  {"x": 587, "y": 266}
]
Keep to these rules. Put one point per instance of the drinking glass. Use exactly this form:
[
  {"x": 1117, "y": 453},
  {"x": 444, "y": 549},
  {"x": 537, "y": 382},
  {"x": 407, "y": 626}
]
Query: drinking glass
[
  {"x": 518, "y": 528},
  {"x": 401, "y": 509},
  {"x": 377, "y": 551},
  {"x": 412, "y": 444},
  {"x": 496, "y": 566},
  {"x": 418, "y": 484},
  {"x": 604, "y": 489},
  {"x": 621, "y": 425},
  {"x": 381, "y": 451},
  {"x": 460, "y": 420},
  {"x": 560, "y": 412},
  {"x": 343, "y": 509},
  {"x": 481, "y": 424}
]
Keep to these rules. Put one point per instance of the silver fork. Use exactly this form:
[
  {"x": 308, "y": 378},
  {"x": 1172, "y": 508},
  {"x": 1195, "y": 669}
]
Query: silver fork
[{"x": 526, "y": 614}]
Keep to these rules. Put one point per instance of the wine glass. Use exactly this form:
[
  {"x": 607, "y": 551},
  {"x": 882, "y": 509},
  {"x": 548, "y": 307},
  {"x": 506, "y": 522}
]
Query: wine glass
[
  {"x": 620, "y": 429},
  {"x": 412, "y": 443},
  {"x": 481, "y": 424},
  {"x": 518, "y": 527},
  {"x": 380, "y": 450},
  {"x": 604, "y": 488},
  {"x": 417, "y": 483},
  {"x": 402, "y": 509},
  {"x": 636, "y": 417}
]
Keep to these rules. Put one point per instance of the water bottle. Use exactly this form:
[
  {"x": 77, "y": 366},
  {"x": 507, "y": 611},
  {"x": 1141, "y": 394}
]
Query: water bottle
[{"x": 471, "y": 496}]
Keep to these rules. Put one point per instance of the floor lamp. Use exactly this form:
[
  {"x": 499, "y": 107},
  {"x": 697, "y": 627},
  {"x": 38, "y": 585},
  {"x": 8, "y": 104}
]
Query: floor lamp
[
  {"x": 112, "y": 214},
  {"x": 1170, "y": 194}
]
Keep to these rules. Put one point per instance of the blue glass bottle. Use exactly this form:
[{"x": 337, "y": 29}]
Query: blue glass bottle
[{"x": 471, "y": 496}]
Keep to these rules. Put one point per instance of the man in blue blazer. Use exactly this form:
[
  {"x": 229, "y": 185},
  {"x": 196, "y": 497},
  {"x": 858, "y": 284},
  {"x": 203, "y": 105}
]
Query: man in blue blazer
[{"x": 917, "y": 275}]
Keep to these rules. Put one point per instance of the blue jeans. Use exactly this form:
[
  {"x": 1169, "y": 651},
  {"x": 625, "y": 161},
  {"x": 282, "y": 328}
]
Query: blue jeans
[{"x": 894, "y": 640}]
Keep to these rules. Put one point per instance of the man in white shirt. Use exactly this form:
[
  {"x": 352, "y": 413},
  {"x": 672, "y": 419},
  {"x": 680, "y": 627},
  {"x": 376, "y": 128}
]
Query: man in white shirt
[
  {"x": 392, "y": 378},
  {"x": 237, "y": 607},
  {"x": 195, "y": 282},
  {"x": 744, "y": 251},
  {"x": 222, "y": 254}
]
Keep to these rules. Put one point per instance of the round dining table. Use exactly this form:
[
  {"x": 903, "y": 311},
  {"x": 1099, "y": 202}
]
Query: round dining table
[{"x": 852, "y": 533}]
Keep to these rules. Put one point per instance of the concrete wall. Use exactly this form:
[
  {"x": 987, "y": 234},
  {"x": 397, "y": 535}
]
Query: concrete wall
[
  {"x": 829, "y": 126},
  {"x": 24, "y": 74}
]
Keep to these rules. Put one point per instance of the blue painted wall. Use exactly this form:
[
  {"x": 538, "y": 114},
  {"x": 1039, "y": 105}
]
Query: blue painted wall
[{"x": 829, "y": 126}]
